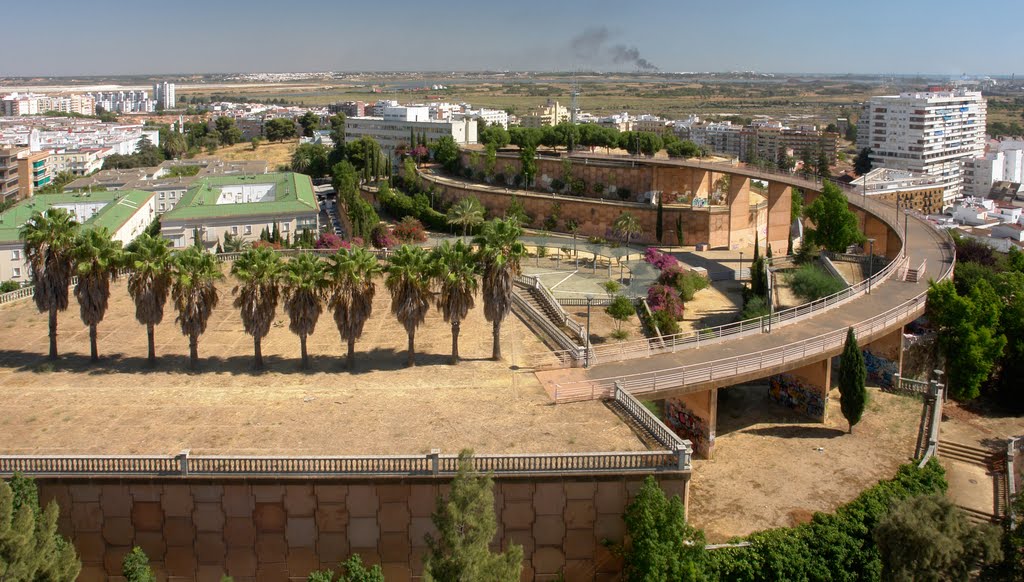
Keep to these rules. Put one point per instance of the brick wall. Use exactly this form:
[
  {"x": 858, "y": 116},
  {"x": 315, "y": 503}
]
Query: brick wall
[{"x": 259, "y": 529}]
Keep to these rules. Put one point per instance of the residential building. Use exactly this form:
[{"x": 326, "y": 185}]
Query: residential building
[
  {"x": 163, "y": 93},
  {"x": 80, "y": 162},
  {"x": 126, "y": 214},
  {"x": 34, "y": 171},
  {"x": 124, "y": 101},
  {"x": 241, "y": 206},
  {"x": 33, "y": 104},
  {"x": 394, "y": 132},
  {"x": 491, "y": 116},
  {"x": 928, "y": 132},
  {"x": 920, "y": 192},
  {"x": 349, "y": 108},
  {"x": 651, "y": 123},
  {"x": 9, "y": 182},
  {"x": 551, "y": 114},
  {"x": 981, "y": 173}
]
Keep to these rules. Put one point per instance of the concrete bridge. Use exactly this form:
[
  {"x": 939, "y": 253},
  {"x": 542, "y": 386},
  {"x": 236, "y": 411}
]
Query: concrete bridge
[{"x": 795, "y": 352}]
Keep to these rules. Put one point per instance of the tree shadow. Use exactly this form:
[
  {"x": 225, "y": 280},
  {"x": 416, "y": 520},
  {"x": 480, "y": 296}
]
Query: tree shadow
[
  {"x": 796, "y": 431},
  {"x": 379, "y": 359}
]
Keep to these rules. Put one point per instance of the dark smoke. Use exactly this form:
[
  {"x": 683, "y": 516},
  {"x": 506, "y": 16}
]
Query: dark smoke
[{"x": 590, "y": 44}]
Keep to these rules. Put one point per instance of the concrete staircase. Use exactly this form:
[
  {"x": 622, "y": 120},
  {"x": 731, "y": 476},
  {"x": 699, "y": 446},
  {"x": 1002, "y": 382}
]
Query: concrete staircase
[
  {"x": 994, "y": 463},
  {"x": 532, "y": 297}
]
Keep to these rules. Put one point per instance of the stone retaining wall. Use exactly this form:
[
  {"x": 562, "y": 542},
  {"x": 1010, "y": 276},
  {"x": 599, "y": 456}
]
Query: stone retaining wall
[{"x": 275, "y": 530}]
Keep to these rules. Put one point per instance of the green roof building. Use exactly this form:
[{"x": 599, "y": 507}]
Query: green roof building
[
  {"x": 125, "y": 213},
  {"x": 241, "y": 206}
]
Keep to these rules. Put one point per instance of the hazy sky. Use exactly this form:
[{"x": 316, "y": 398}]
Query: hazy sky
[{"x": 868, "y": 36}]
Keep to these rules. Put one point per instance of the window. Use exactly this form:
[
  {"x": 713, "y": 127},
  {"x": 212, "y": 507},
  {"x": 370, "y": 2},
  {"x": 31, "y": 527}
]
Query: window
[
  {"x": 234, "y": 231},
  {"x": 284, "y": 227},
  {"x": 248, "y": 229},
  {"x": 161, "y": 195},
  {"x": 161, "y": 207},
  {"x": 16, "y": 273},
  {"x": 16, "y": 255}
]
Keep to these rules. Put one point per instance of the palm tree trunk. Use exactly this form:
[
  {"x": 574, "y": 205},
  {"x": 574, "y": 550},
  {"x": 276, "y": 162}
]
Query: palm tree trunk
[
  {"x": 412, "y": 349},
  {"x": 152, "y": 344},
  {"x": 258, "y": 349},
  {"x": 351, "y": 359},
  {"x": 53, "y": 333},
  {"x": 94, "y": 353},
  {"x": 193, "y": 351},
  {"x": 496, "y": 334},
  {"x": 305, "y": 356},
  {"x": 456, "y": 325}
]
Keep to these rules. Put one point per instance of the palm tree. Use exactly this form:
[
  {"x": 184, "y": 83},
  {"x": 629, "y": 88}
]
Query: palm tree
[
  {"x": 467, "y": 213},
  {"x": 233, "y": 244},
  {"x": 627, "y": 225},
  {"x": 149, "y": 281},
  {"x": 49, "y": 239},
  {"x": 408, "y": 281},
  {"x": 258, "y": 271},
  {"x": 500, "y": 253},
  {"x": 194, "y": 290},
  {"x": 455, "y": 269},
  {"x": 305, "y": 282},
  {"x": 352, "y": 273},
  {"x": 97, "y": 259}
]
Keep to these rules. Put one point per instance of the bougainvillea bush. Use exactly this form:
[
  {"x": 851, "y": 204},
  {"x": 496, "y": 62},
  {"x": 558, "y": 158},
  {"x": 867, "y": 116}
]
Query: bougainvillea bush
[
  {"x": 665, "y": 298},
  {"x": 659, "y": 259}
]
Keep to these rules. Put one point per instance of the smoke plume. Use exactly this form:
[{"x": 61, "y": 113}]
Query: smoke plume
[{"x": 591, "y": 45}]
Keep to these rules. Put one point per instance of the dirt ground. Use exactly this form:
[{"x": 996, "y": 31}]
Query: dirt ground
[
  {"x": 275, "y": 154},
  {"x": 119, "y": 406},
  {"x": 775, "y": 468}
]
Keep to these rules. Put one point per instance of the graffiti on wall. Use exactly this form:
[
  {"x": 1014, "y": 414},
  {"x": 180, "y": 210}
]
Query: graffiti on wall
[
  {"x": 791, "y": 392},
  {"x": 688, "y": 425},
  {"x": 880, "y": 370}
]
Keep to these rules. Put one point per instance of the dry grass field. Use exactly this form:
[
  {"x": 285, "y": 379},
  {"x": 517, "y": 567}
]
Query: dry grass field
[
  {"x": 275, "y": 154},
  {"x": 120, "y": 406}
]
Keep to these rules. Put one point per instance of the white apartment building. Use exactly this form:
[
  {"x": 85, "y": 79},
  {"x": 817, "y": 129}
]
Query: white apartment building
[
  {"x": 163, "y": 93},
  {"x": 929, "y": 132},
  {"x": 491, "y": 116},
  {"x": 33, "y": 104},
  {"x": 393, "y": 130},
  {"x": 981, "y": 173}
]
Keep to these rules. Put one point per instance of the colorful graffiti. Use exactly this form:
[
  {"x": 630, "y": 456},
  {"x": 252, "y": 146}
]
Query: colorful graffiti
[
  {"x": 688, "y": 425},
  {"x": 880, "y": 370},
  {"x": 791, "y": 392}
]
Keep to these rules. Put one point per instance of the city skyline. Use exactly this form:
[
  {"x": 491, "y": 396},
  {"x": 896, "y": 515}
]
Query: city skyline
[{"x": 216, "y": 37}]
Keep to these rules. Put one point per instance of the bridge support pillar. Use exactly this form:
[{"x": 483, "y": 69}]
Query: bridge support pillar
[
  {"x": 740, "y": 232},
  {"x": 884, "y": 358},
  {"x": 694, "y": 416},
  {"x": 879, "y": 231},
  {"x": 699, "y": 183},
  {"x": 805, "y": 389},
  {"x": 780, "y": 200}
]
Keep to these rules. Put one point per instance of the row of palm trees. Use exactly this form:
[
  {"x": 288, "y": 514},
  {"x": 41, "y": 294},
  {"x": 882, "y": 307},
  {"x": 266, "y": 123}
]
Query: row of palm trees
[{"x": 448, "y": 277}]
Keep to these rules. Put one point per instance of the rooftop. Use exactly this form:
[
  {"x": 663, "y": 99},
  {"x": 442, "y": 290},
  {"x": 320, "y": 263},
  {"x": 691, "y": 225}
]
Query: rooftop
[
  {"x": 292, "y": 193},
  {"x": 117, "y": 208}
]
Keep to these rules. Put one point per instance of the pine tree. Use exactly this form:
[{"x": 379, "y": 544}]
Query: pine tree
[
  {"x": 853, "y": 395},
  {"x": 135, "y": 566},
  {"x": 663, "y": 547},
  {"x": 30, "y": 547},
  {"x": 466, "y": 524}
]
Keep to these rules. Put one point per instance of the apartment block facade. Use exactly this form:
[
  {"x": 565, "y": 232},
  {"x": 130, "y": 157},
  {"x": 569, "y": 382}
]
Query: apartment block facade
[
  {"x": 9, "y": 183},
  {"x": 932, "y": 133},
  {"x": 393, "y": 131}
]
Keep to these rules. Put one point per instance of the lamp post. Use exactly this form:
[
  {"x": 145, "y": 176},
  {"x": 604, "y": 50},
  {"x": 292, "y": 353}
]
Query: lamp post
[
  {"x": 871, "y": 261},
  {"x": 739, "y": 276},
  {"x": 586, "y": 348},
  {"x": 906, "y": 229},
  {"x": 771, "y": 291}
]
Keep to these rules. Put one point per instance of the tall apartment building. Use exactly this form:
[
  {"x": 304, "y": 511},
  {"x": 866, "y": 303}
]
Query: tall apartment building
[
  {"x": 163, "y": 93},
  {"x": 9, "y": 186},
  {"x": 34, "y": 104},
  {"x": 550, "y": 114},
  {"x": 34, "y": 172},
  {"x": 932, "y": 133}
]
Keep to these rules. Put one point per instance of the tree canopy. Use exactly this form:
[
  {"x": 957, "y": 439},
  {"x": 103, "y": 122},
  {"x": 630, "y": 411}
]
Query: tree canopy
[{"x": 835, "y": 225}]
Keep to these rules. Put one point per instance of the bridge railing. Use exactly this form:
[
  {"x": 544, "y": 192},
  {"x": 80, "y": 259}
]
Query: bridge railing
[
  {"x": 432, "y": 464},
  {"x": 665, "y": 436}
]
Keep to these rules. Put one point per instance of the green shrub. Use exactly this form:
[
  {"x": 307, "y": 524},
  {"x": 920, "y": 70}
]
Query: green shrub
[
  {"x": 8, "y": 286},
  {"x": 666, "y": 323},
  {"x": 810, "y": 282},
  {"x": 684, "y": 280},
  {"x": 557, "y": 185},
  {"x": 755, "y": 307},
  {"x": 837, "y": 546},
  {"x": 135, "y": 566}
]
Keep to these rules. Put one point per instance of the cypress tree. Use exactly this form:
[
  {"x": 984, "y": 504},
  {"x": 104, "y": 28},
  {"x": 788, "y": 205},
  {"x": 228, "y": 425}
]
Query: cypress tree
[
  {"x": 853, "y": 396},
  {"x": 658, "y": 229},
  {"x": 789, "y": 244},
  {"x": 679, "y": 230}
]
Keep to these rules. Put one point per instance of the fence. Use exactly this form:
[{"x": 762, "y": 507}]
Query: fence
[
  {"x": 430, "y": 465},
  {"x": 665, "y": 436},
  {"x": 548, "y": 301},
  {"x": 907, "y": 386},
  {"x": 569, "y": 353}
]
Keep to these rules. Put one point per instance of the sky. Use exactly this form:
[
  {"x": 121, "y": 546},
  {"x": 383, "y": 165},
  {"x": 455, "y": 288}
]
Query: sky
[{"x": 102, "y": 37}]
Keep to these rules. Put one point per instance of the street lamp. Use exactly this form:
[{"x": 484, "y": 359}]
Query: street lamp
[
  {"x": 586, "y": 348},
  {"x": 871, "y": 261},
  {"x": 771, "y": 291},
  {"x": 906, "y": 231},
  {"x": 739, "y": 276}
]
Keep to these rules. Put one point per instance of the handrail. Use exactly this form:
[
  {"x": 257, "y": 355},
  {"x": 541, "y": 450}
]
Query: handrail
[
  {"x": 533, "y": 282},
  {"x": 724, "y": 368},
  {"x": 570, "y": 350},
  {"x": 432, "y": 464},
  {"x": 1011, "y": 480},
  {"x": 665, "y": 436}
]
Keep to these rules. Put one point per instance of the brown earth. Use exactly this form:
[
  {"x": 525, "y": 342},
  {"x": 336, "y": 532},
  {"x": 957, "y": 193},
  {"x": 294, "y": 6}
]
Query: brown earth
[
  {"x": 768, "y": 470},
  {"x": 120, "y": 406},
  {"x": 275, "y": 154}
]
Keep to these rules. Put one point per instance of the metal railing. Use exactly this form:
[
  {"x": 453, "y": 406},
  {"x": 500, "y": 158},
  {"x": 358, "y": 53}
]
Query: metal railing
[
  {"x": 903, "y": 385},
  {"x": 570, "y": 354},
  {"x": 665, "y": 436},
  {"x": 432, "y": 464},
  {"x": 1011, "y": 478},
  {"x": 548, "y": 300}
]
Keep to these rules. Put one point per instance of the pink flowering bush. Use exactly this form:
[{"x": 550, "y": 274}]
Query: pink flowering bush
[
  {"x": 380, "y": 237},
  {"x": 667, "y": 299},
  {"x": 329, "y": 241},
  {"x": 659, "y": 259}
]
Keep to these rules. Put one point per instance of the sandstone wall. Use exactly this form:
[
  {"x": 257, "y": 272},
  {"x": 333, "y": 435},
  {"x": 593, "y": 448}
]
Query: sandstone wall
[{"x": 275, "y": 530}]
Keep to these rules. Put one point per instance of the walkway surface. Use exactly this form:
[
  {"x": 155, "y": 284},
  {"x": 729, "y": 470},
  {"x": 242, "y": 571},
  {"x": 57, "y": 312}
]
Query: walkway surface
[{"x": 925, "y": 244}]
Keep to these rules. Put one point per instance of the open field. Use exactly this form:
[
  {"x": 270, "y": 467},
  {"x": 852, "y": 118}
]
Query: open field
[
  {"x": 774, "y": 468},
  {"x": 119, "y": 406},
  {"x": 275, "y": 154}
]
